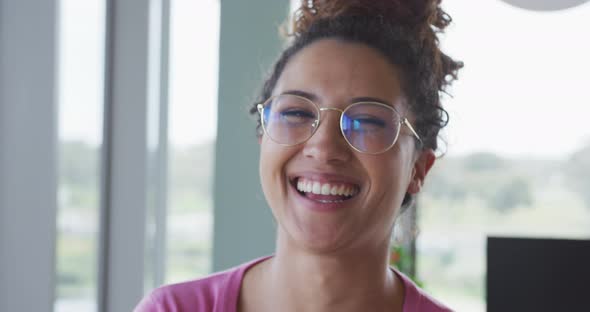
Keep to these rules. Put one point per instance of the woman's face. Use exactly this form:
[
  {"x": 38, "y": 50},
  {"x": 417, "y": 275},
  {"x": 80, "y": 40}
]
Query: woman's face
[{"x": 335, "y": 74}]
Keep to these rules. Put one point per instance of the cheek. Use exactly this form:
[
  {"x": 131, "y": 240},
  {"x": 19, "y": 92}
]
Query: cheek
[
  {"x": 266, "y": 164},
  {"x": 273, "y": 161},
  {"x": 390, "y": 186},
  {"x": 390, "y": 179}
]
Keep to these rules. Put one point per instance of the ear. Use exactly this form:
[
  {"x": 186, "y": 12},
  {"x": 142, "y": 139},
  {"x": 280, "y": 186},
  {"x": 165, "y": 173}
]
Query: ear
[{"x": 421, "y": 167}]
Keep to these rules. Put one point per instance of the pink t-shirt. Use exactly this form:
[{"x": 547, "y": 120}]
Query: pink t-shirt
[{"x": 219, "y": 293}]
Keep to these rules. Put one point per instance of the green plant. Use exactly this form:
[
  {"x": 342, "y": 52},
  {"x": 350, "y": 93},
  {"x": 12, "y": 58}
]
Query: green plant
[{"x": 401, "y": 258}]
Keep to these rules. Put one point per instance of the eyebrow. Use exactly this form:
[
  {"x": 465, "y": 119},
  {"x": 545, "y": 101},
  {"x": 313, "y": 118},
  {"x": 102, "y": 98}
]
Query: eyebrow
[
  {"x": 370, "y": 99},
  {"x": 314, "y": 98},
  {"x": 307, "y": 95}
]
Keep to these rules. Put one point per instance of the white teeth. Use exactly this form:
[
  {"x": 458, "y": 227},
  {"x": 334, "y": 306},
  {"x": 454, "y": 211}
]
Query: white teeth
[
  {"x": 334, "y": 190},
  {"x": 317, "y": 189},
  {"x": 308, "y": 186},
  {"x": 347, "y": 191}
]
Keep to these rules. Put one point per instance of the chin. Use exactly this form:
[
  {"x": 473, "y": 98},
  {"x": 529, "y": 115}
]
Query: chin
[{"x": 317, "y": 238}]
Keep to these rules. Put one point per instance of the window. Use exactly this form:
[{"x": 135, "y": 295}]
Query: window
[
  {"x": 517, "y": 157},
  {"x": 132, "y": 179},
  {"x": 194, "y": 50},
  {"x": 80, "y": 93}
]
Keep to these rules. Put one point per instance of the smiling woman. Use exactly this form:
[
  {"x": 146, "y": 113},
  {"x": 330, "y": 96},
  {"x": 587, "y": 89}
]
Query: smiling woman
[
  {"x": 336, "y": 72},
  {"x": 348, "y": 125}
]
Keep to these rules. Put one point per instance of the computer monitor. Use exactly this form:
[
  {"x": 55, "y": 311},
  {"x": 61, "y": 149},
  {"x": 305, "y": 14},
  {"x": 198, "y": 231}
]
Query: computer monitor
[{"x": 532, "y": 274}]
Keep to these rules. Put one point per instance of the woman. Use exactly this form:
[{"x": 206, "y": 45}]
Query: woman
[{"x": 348, "y": 125}]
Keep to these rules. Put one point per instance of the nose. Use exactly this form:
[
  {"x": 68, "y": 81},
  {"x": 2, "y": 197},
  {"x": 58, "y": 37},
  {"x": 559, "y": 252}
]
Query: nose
[{"x": 327, "y": 144}]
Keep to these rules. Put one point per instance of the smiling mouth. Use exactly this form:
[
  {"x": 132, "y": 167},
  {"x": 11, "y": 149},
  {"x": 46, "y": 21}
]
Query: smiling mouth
[{"x": 325, "y": 192}]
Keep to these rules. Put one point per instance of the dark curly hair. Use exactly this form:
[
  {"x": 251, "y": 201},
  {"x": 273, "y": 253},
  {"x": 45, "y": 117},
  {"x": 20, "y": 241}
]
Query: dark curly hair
[{"x": 405, "y": 32}]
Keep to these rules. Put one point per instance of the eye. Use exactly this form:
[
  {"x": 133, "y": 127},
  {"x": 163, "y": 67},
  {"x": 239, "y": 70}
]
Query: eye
[
  {"x": 368, "y": 123},
  {"x": 297, "y": 116}
]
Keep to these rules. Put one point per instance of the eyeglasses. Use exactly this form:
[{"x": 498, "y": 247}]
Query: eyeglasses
[{"x": 368, "y": 127}]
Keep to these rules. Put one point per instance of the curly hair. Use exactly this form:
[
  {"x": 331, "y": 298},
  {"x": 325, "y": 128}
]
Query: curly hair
[{"x": 405, "y": 32}]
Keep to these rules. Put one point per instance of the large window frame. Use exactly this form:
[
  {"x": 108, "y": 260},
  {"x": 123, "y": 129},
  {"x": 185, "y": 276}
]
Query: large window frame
[{"x": 133, "y": 178}]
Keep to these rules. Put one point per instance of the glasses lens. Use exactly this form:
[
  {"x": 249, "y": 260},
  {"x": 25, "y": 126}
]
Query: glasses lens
[
  {"x": 370, "y": 127},
  {"x": 290, "y": 119}
]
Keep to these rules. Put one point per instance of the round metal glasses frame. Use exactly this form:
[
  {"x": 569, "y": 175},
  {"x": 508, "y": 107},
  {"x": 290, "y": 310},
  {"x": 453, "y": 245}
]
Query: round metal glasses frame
[{"x": 403, "y": 121}]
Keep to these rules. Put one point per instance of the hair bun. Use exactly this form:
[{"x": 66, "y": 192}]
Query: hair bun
[{"x": 422, "y": 15}]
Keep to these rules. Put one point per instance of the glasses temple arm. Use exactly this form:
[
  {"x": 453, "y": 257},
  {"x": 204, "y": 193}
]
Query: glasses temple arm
[{"x": 407, "y": 123}]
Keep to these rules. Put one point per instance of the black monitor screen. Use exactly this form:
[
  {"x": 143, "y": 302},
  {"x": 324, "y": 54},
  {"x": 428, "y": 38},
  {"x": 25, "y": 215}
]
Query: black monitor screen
[{"x": 525, "y": 274}]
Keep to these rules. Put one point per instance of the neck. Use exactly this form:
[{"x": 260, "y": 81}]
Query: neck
[{"x": 358, "y": 280}]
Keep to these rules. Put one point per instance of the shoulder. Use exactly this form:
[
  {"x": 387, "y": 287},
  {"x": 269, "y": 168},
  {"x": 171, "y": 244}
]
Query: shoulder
[
  {"x": 202, "y": 293},
  {"x": 216, "y": 292},
  {"x": 417, "y": 300}
]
